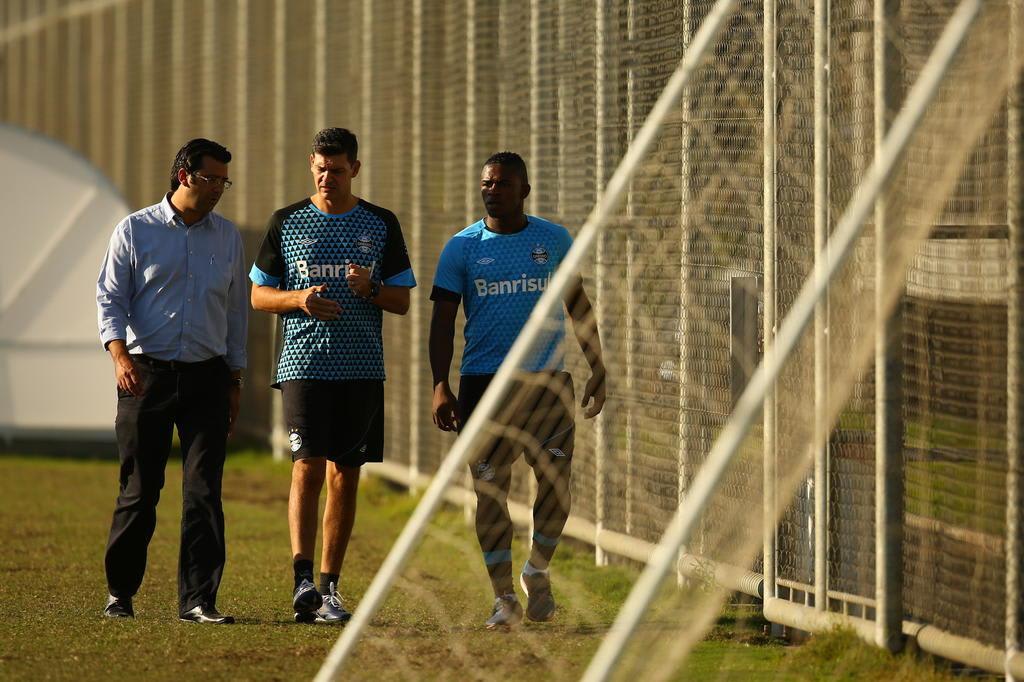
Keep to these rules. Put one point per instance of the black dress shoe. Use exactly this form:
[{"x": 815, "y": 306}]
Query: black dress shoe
[
  {"x": 206, "y": 614},
  {"x": 118, "y": 607}
]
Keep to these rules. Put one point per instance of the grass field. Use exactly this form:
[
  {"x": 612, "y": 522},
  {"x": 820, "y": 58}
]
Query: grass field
[{"x": 54, "y": 516}]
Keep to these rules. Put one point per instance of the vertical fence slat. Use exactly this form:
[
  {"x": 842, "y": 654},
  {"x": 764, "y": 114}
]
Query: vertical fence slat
[
  {"x": 821, "y": 172},
  {"x": 769, "y": 417},
  {"x": 1015, "y": 347},
  {"x": 888, "y": 353}
]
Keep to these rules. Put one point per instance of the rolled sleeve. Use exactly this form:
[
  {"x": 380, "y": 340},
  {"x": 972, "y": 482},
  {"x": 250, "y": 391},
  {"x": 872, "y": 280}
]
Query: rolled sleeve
[{"x": 114, "y": 285}]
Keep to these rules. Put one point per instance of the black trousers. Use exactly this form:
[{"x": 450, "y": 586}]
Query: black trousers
[{"x": 193, "y": 397}]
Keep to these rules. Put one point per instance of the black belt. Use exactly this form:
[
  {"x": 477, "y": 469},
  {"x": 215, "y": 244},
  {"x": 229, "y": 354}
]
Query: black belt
[{"x": 178, "y": 365}]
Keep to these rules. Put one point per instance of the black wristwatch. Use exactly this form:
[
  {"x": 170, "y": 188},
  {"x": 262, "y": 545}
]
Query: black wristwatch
[{"x": 374, "y": 290}]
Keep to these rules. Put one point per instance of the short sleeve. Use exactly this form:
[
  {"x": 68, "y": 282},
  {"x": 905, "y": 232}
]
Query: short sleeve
[
  {"x": 269, "y": 268},
  {"x": 451, "y": 267},
  {"x": 395, "y": 268},
  {"x": 565, "y": 242}
]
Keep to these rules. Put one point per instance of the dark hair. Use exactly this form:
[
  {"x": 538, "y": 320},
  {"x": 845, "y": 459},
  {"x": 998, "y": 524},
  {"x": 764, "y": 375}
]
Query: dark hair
[
  {"x": 509, "y": 160},
  {"x": 334, "y": 141},
  {"x": 190, "y": 157}
]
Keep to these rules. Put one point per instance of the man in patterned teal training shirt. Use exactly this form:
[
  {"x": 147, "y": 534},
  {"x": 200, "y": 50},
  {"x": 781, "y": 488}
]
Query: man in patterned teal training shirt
[
  {"x": 499, "y": 267},
  {"x": 330, "y": 265}
]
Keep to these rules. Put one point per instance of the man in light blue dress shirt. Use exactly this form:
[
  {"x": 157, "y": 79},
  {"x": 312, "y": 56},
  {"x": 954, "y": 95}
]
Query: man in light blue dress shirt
[{"x": 172, "y": 307}]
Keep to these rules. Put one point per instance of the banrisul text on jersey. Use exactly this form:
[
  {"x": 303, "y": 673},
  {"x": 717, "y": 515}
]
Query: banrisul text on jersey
[
  {"x": 500, "y": 277},
  {"x": 306, "y": 247}
]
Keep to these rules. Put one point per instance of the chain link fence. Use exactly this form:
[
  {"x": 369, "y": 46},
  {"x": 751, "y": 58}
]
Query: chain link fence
[{"x": 432, "y": 88}]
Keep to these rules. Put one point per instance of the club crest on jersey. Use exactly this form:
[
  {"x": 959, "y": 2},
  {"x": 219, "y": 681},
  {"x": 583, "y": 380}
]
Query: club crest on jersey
[
  {"x": 484, "y": 471},
  {"x": 364, "y": 243},
  {"x": 539, "y": 255}
]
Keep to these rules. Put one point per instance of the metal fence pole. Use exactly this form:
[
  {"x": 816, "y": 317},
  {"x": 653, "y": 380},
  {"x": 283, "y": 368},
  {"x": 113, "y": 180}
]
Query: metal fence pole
[
  {"x": 73, "y": 112},
  {"x": 631, "y": 118},
  {"x": 31, "y": 50},
  {"x": 179, "y": 45},
  {"x": 535, "y": 97},
  {"x": 278, "y": 438},
  {"x": 13, "y": 59},
  {"x": 241, "y": 76},
  {"x": 50, "y": 95},
  {"x": 416, "y": 345},
  {"x": 209, "y": 98},
  {"x": 821, "y": 345},
  {"x": 148, "y": 96},
  {"x": 321, "y": 49},
  {"x": 601, "y": 270},
  {"x": 119, "y": 93},
  {"x": 1015, "y": 348},
  {"x": 769, "y": 228},
  {"x": 888, "y": 352},
  {"x": 684, "y": 373},
  {"x": 472, "y": 124},
  {"x": 96, "y": 134},
  {"x": 366, "y": 99}
]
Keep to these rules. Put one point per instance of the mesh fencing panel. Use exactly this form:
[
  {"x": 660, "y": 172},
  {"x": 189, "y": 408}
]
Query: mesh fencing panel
[{"x": 955, "y": 380}]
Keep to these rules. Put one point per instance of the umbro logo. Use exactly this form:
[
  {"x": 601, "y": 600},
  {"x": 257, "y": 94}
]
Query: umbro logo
[
  {"x": 485, "y": 261},
  {"x": 308, "y": 241},
  {"x": 556, "y": 452}
]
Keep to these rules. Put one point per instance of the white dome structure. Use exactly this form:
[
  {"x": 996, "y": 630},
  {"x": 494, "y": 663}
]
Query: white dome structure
[{"x": 56, "y": 383}]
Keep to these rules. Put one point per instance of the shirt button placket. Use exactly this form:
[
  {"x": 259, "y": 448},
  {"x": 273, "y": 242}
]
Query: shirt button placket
[{"x": 190, "y": 288}]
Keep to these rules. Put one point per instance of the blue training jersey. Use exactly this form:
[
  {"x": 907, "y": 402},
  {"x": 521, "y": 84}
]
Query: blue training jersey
[
  {"x": 499, "y": 278},
  {"x": 305, "y": 247}
]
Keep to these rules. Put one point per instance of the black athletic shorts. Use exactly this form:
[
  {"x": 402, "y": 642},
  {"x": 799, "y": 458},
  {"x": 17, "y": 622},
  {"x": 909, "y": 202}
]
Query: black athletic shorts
[
  {"x": 342, "y": 421},
  {"x": 537, "y": 418}
]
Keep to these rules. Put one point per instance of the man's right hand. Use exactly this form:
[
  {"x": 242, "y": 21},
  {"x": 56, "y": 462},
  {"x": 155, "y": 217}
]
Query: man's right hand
[
  {"x": 127, "y": 376},
  {"x": 313, "y": 304},
  {"x": 445, "y": 408}
]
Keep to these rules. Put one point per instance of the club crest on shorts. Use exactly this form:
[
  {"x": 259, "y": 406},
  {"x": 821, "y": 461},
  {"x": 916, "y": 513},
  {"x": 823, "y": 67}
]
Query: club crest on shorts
[
  {"x": 484, "y": 471},
  {"x": 539, "y": 255},
  {"x": 364, "y": 243},
  {"x": 294, "y": 440}
]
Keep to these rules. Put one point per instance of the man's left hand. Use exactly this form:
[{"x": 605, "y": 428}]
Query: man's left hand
[
  {"x": 593, "y": 394},
  {"x": 234, "y": 398},
  {"x": 358, "y": 279}
]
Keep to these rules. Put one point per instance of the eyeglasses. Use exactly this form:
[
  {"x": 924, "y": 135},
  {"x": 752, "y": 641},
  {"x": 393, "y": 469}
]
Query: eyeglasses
[{"x": 221, "y": 181}]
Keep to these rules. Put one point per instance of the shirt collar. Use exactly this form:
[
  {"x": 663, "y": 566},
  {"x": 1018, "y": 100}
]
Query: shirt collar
[{"x": 171, "y": 217}]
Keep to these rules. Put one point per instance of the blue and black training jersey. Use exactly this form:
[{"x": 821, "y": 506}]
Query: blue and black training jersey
[
  {"x": 499, "y": 278},
  {"x": 306, "y": 247}
]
